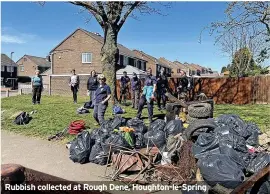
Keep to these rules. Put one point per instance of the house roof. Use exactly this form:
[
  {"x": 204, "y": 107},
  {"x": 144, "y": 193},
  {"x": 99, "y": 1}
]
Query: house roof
[
  {"x": 157, "y": 61},
  {"x": 169, "y": 63},
  {"x": 5, "y": 60},
  {"x": 122, "y": 49},
  {"x": 180, "y": 65},
  {"x": 40, "y": 61},
  {"x": 47, "y": 72}
]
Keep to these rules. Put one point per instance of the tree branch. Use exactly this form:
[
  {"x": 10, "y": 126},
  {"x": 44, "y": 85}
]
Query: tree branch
[
  {"x": 97, "y": 14},
  {"x": 132, "y": 7}
]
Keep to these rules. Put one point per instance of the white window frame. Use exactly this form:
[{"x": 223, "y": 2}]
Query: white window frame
[
  {"x": 22, "y": 68},
  {"x": 2, "y": 67},
  {"x": 10, "y": 69},
  {"x": 85, "y": 58}
]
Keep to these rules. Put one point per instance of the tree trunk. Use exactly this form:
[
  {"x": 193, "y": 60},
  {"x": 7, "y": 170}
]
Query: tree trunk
[{"x": 109, "y": 58}]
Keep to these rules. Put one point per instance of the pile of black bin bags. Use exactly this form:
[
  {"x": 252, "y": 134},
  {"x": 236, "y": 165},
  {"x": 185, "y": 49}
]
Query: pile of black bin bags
[
  {"x": 95, "y": 146},
  {"x": 221, "y": 147},
  {"x": 223, "y": 155}
]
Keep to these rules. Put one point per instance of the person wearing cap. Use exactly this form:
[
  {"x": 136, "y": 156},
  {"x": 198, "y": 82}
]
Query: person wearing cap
[
  {"x": 135, "y": 87},
  {"x": 37, "y": 87},
  {"x": 148, "y": 97},
  {"x": 74, "y": 83},
  {"x": 162, "y": 85},
  {"x": 92, "y": 86},
  {"x": 124, "y": 87},
  {"x": 102, "y": 96}
]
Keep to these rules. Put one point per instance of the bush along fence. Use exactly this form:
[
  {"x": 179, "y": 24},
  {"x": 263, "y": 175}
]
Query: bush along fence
[{"x": 225, "y": 90}]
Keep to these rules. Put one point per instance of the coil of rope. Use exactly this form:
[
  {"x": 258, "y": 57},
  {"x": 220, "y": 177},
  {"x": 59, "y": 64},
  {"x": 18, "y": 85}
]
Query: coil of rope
[{"x": 76, "y": 127}]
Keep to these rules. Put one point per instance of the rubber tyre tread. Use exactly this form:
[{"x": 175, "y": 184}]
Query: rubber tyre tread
[
  {"x": 200, "y": 110},
  {"x": 200, "y": 123}
]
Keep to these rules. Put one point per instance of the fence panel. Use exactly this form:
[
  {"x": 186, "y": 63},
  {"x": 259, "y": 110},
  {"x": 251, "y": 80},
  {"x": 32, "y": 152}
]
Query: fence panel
[
  {"x": 223, "y": 90},
  {"x": 26, "y": 88}
]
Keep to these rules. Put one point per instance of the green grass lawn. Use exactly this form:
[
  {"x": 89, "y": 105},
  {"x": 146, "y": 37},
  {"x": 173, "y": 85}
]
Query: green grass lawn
[{"x": 55, "y": 113}]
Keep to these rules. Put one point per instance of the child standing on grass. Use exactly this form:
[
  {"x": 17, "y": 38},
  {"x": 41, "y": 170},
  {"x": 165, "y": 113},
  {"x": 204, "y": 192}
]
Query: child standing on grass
[{"x": 37, "y": 87}]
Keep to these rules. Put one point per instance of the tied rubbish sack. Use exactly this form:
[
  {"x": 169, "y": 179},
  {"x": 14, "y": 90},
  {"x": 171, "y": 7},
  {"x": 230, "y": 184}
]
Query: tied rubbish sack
[
  {"x": 235, "y": 123},
  {"x": 220, "y": 169},
  {"x": 254, "y": 130},
  {"x": 157, "y": 125},
  {"x": 260, "y": 161},
  {"x": 207, "y": 143},
  {"x": 98, "y": 155},
  {"x": 80, "y": 148},
  {"x": 235, "y": 147},
  {"x": 137, "y": 125},
  {"x": 114, "y": 140},
  {"x": 111, "y": 124},
  {"x": 139, "y": 130},
  {"x": 156, "y": 137},
  {"x": 173, "y": 127}
]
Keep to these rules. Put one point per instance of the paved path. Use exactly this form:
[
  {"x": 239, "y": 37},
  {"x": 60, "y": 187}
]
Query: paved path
[
  {"x": 52, "y": 158},
  {"x": 44, "y": 156}
]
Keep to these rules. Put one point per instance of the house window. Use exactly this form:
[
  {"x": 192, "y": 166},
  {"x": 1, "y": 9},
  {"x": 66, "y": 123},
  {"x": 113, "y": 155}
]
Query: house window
[
  {"x": 24, "y": 59},
  {"x": 2, "y": 68},
  {"x": 10, "y": 69},
  {"x": 86, "y": 57},
  {"x": 21, "y": 68}
]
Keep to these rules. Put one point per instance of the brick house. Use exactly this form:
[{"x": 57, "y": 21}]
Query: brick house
[
  {"x": 154, "y": 63},
  {"x": 8, "y": 72},
  {"x": 27, "y": 65},
  {"x": 181, "y": 66},
  {"x": 81, "y": 51}
]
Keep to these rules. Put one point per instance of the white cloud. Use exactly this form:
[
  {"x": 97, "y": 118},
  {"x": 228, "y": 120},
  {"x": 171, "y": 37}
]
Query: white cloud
[{"x": 12, "y": 39}]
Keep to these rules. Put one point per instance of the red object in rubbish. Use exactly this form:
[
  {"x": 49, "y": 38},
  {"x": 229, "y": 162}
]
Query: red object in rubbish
[{"x": 76, "y": 127}]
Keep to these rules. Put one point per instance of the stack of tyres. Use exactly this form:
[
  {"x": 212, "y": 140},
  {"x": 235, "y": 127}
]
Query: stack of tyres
[{"x": 199, "y": 111}]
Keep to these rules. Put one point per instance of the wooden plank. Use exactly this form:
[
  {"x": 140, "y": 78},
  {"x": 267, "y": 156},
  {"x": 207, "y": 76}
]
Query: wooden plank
[{"x": 241, "y": 189}]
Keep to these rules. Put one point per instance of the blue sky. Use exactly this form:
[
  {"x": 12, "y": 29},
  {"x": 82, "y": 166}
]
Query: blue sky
[{"x": 28, "y": 28}]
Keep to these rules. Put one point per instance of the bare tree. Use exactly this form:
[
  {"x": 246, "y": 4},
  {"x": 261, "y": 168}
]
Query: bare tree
[
  {"x": 111, "y": 15},
  {"x": 252, "y": 18}
]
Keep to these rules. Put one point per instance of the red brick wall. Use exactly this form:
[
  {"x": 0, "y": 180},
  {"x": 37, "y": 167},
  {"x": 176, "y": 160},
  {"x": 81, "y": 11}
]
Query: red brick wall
[{"x": 68, "y": 55}]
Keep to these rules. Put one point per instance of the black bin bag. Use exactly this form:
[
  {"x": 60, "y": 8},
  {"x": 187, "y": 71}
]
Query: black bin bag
[
  {"x": 207, "y": 143},
  {"x": 257, "y": 163},
  {"x": 80, "y": 148},
  {"x": 153, "y": 138},
  {"x": 157, "y": 125},
  {"x": 173, "y": 127},
  {"x": 98, "y": 155},
  {"x": 220, "y": 169}
]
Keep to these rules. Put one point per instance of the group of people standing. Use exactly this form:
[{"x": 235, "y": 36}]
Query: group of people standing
[{"x": 155, "y": 88}]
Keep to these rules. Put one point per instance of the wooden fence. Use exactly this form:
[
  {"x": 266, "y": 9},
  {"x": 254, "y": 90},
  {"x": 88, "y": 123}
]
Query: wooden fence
[
  {"x": 224, "y": 90},
  {"x": 248, "y": 90}
]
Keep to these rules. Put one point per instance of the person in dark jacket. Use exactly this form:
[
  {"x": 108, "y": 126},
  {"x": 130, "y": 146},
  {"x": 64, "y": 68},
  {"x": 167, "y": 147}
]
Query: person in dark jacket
[
  {"x": 74, "y": 83},
  {"x": 162, "y": 85},
  {"x": 92, "y": 86},
  {"x": 135, "y": 87},
  {"x": 102, "y": 95},
  {"x": 37, "y": 87},
  {"x": 182, "y": 88},
  {"x": 124, "y": 87},
  {"x": 148, "y": 95}
]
